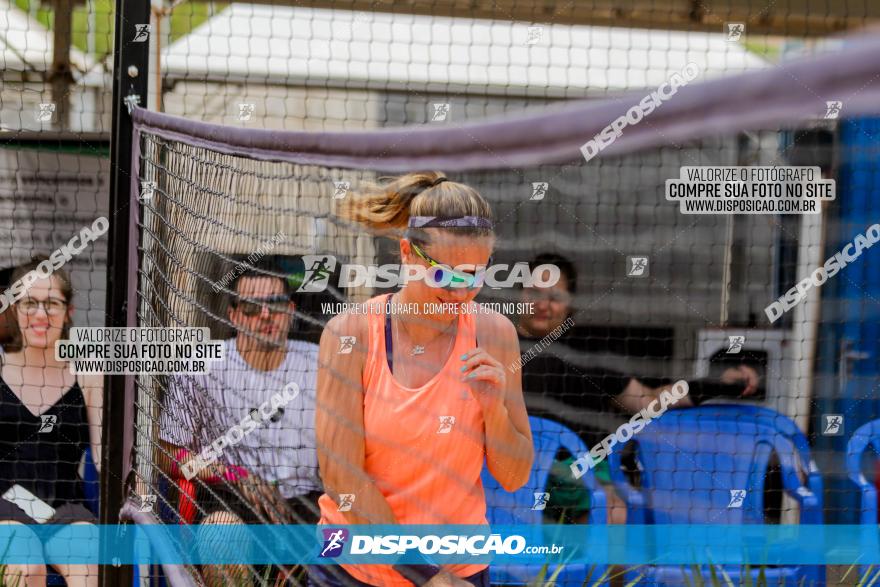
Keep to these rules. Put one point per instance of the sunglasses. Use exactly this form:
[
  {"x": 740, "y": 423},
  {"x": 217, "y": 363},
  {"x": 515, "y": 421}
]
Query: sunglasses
[
  {"x": 456, "y": 279},
  {"x": 254, "y": 306}
]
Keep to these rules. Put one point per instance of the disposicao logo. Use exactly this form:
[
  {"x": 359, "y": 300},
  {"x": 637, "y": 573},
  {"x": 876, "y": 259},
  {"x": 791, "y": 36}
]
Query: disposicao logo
[{"x": 334, "y": 542}]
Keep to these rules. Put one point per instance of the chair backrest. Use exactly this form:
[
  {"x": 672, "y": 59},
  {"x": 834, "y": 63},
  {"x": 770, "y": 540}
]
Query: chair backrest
[
  {"x": 765, "y": 416},
  {"x": 548, "y": 438},
  {"x": 700, "y": 466},
  {"x": 867, "y": 435},
  {"x": 90, "y": 481}
]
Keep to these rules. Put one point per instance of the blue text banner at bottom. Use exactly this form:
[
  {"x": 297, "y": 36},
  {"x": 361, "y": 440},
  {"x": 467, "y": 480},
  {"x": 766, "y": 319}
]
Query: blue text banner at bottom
[{"x": 443, "y": 544}]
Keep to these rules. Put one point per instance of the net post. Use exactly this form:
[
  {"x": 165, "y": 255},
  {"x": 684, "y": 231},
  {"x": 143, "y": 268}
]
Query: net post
[{"x": 130, "y": 74}]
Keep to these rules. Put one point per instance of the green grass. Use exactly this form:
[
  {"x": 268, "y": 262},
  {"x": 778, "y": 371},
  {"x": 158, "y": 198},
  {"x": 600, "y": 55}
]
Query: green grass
[
  {"x": 542, "y": 580},
  {"x": 189, "y": 15},
  {"x": 9, "y": 581},
  {"x": 15, "y": 580},
  {"x": 44, "y": 15},
  {"x": 103, "y": 23},
  {"x": 184, "y": 18},
  {"x": 767, "y": 49},
  {"x": 103, "y": 10}
]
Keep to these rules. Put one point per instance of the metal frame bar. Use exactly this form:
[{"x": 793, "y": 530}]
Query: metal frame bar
[{"x": 129, "y": 79}]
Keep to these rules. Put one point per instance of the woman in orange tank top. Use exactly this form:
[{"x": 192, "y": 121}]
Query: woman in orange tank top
[{"x": 412, "y": 393}]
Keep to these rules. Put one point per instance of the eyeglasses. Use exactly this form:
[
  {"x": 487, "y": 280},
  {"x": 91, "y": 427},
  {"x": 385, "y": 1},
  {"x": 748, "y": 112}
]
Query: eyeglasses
[
  {"x": 458, "y": 279},
  {"x": 52, "y": 306},
  {"x": 254, "y": 306}
]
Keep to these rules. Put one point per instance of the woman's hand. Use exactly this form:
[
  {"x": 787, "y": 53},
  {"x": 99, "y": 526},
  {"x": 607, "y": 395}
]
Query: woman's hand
[
  {"x": 486, "y": 378},
  {"x": 264, "y": 498}
]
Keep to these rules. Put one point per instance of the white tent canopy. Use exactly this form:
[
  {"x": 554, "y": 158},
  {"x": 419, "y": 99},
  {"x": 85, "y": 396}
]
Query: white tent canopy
[
  {"x": 26, "y": 45},
  {"x": 26, "y": 48},
  {"x": 294, "y": 46}
]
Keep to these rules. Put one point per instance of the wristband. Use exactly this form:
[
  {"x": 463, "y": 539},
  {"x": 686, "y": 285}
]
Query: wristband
[
  {"x": 419, "y": 574},
  {"x": 235, "y": 473},
  {"x": 700, "y": 390},
  {"x": 232, "y": 473}
]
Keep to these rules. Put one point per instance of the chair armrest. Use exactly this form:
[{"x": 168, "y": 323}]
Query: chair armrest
[
  {"x": 810, "y": 504},
  {"x": 868, "y": 509},
  {"x": 178, "y": 575},
  {"x": 598, "y": 505},
  {"x": 855, "y": 448},
  {"x": 814, "y": 481},
  {"x": 634, "y": 499},
  {"x": 635, "y": 502},
  {"x": 869, "y": 506}
]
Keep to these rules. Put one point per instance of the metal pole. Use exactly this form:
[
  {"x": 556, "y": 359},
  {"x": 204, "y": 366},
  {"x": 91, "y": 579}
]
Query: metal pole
[
  {"x": 60, "y": 75},
  {"x": 129, "y": 79}
]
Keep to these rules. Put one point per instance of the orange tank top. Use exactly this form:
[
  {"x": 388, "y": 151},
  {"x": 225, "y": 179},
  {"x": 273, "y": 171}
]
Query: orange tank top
[{"x": 424, "y": 447}]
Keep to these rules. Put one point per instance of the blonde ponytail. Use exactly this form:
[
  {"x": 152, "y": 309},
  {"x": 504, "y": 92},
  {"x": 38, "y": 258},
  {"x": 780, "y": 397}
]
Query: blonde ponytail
[{"x": 389, "y": 206}]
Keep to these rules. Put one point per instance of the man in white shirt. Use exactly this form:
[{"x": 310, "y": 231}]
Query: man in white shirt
[{"x": 278, "y": 456}]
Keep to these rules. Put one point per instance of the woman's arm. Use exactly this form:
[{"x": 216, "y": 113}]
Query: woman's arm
[
  {"x": 637, "y": 395},
  {"x": 509, "y": 449},
  {"x": 93, "y": 394},
  {"x": 339, "y": 422},
  {"x": 170, "y": 458}
]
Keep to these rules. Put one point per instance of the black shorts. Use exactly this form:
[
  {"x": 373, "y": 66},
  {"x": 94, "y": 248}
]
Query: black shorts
[
  {"x": 66, "y": 513},
  {"x": 303, "y": 509}
]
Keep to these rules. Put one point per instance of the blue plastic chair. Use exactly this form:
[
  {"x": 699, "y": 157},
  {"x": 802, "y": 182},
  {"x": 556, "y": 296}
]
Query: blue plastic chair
[
  {"x": 785, "y": 426},
  {"x": 691, "y": 460},
  {"x": 866, "y": 436},
  {"x": 504, "y": 508},
  {"x": 90, "y": 483},
  {"x": 776, "y": 421},
  {"x": 90, "y": 491}
]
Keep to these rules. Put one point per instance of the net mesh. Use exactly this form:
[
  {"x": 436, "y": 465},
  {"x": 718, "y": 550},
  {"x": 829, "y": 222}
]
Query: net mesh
[
  {"x": 51, "y": 419},
  {"x": 54, "y": 170},
  {"x": 363, "y": 69},
  {"x": 202, "y": 277},
  {"x": 658, "y": 295},
  {"x": 705, "y": 279}
]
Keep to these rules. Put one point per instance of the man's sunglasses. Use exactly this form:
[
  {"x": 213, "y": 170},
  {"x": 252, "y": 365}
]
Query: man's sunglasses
[
  {"x": 254, "y": 306},
  {"x": 456, "y": 279}
]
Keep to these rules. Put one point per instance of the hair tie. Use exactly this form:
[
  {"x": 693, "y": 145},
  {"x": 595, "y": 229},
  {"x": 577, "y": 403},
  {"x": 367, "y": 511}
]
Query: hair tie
[{"x": 438, "y": 181}]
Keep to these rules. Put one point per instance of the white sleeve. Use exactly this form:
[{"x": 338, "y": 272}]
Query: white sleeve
[
  {"x": 175, "y": 420},
  {"x": 312, "y": 371}
]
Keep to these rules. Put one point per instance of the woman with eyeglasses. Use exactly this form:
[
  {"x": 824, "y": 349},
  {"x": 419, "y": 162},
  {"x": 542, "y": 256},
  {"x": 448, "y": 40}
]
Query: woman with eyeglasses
[
  {"x": 48, "y": 416},
  {"x": 410, "y": 404}
]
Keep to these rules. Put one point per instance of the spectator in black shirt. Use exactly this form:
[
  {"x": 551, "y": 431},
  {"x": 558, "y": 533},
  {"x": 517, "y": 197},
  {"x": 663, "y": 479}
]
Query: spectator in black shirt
[
  {"x": 558, "y": 386},
  {"x": 48, "y": 416}
]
